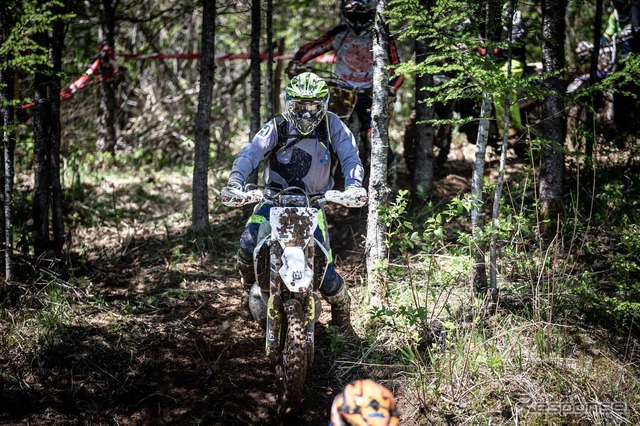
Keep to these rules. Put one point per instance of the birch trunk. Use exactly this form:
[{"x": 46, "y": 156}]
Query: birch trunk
[
  {"x": 479, "y": 273},
  {"x": 376, "y": 248},
  {"x": 6, "y": 154},
  {"x": 7, "y": 79}
]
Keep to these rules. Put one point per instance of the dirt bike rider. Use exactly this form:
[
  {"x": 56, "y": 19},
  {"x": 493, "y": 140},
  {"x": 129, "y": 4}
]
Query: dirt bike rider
[
  {"x": 624, "y": 22},
  {"x": 304, "y": 162},
  {"x": 623, "y": 26},
  {"x": 352, "y": 42},
  {"x": 364, "y": 403}
]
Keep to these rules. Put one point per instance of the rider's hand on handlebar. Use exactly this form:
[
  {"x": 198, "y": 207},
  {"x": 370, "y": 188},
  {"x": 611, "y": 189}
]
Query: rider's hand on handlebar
[
  {"x": 234, "y": 194},
  {"x": 356, "y": 193},
  {"x": 353, "y": 196},
  {"x": 293, "y": 68}
]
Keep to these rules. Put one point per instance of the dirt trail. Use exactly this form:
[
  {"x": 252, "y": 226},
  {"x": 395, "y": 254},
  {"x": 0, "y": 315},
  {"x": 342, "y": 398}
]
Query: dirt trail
[
  {"x": 157, "y": 335},
  {"x": 162, "y": 344}
]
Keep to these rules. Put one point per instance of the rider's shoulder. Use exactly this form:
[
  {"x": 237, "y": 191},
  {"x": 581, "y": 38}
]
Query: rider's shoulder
[
  {"x": 340, "y": 28},
  {"x": 268, "y": 129},
  {"x": 337, "y": 126},
  {"x": 334, "y": 120}
]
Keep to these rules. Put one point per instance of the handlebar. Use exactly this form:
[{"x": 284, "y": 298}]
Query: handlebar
[{"x": 232, "y": 197}]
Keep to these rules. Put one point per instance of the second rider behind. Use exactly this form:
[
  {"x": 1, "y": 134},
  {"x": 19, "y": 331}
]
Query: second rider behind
[
  {"x": 352, "y": 42},
  {"x": 300, "y": 157}
]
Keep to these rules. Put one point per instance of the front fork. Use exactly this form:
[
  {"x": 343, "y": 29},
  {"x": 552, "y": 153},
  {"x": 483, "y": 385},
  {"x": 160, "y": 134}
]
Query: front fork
[{"x": 276, "y": 312}]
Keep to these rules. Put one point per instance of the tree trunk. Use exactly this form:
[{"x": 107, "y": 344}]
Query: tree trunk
[
  {"x": 8, "y": 145},
  {"x": 553, "y": 120},
  {"x": 41, "y": 165},
  {"x": 7, "y": 76},
  {"x": 593, "y": 68},
  {"x": 378, "y": 190},
  {"x": 108, "y": 131},
  {"x": 270, "y": 97},
  {"x": 200, "y": 200},
  {"x": 47, "y": 195},
  {"x": 57, "y": 214},
  {"x": 479, "y": 273},
  {"x": 256, "y": 29},
  {"x": 424, "y": 133}
]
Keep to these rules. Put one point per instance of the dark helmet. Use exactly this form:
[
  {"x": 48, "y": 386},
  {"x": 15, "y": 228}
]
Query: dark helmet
[
  {"x": 359, "y": 14},
  {"x": 364, "y": 403}
]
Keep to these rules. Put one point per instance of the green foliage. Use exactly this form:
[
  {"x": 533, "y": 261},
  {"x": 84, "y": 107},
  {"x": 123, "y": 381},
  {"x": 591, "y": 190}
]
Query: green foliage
[
  {"x": 22, "y": 50},
  {"x": 451, "y": 29}
]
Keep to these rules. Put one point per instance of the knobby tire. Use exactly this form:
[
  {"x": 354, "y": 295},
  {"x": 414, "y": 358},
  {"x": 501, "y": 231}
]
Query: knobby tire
[{"x": 292, "y": 372}]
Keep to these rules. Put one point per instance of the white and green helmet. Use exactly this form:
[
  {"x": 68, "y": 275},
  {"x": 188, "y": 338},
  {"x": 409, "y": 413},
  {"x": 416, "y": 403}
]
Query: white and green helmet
[{"x": 306, "y": 98}]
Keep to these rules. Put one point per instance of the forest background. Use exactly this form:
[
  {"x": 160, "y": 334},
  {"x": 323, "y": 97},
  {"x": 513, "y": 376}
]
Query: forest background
[{"x": 114, "y": 311}]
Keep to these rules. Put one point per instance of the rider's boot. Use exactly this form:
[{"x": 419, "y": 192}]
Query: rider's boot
[{"x": 341, "y": 310}]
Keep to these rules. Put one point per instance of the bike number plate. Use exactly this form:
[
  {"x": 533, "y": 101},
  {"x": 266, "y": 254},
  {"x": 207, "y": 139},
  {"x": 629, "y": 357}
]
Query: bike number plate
[{"x": 293, "y": 226}]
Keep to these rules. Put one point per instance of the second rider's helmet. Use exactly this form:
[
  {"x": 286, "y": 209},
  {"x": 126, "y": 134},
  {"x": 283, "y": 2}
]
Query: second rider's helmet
[
  {"x": 306, "y": 98},
  {"x": 364, "y": 403},
  {"x": 359, "y": 14}
]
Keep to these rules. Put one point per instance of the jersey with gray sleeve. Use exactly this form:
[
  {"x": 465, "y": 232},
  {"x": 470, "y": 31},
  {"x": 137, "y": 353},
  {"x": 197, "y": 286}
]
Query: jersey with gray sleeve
[{"x": 306, "y": 163}]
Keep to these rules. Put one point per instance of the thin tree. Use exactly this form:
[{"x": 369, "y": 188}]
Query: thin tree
[
  {"x": 7, "y": 75},
  {"x": 493, "y": 252},
  {"x": 108, "y": 131},
  {"x": 256, "y": 29},
  {"x": 479, "y": 271},
  {"x": 270, "y": 80},
  {"x": 553, "y": 120},
  {"x": 200, "y": 200},
  {"x": 48, "y": 223},
  {"x": 593, "y": 70},
  {"x": 376, "y": 247}
]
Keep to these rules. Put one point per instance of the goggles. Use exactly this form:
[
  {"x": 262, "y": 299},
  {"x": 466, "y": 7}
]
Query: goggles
[
  {"x": 306, "y": 113},
  {"x": 359, "y": 17},
  {"x": 303, "y": 106}
]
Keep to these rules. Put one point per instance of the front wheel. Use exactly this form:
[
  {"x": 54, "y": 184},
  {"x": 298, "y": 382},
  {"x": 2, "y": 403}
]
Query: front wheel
[{"x": 292, "y": 372}]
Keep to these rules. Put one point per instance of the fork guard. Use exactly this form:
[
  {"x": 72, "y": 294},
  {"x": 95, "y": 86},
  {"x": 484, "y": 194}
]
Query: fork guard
[{"x": 273, "y": 333}]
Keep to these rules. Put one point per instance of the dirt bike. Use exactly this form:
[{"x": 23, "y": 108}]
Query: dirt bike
[{"x": 285, "y": 299}]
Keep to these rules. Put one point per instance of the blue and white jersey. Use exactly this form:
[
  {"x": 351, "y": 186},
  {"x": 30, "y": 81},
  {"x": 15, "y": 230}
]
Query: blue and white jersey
[{"x": 307, "y": 163}]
